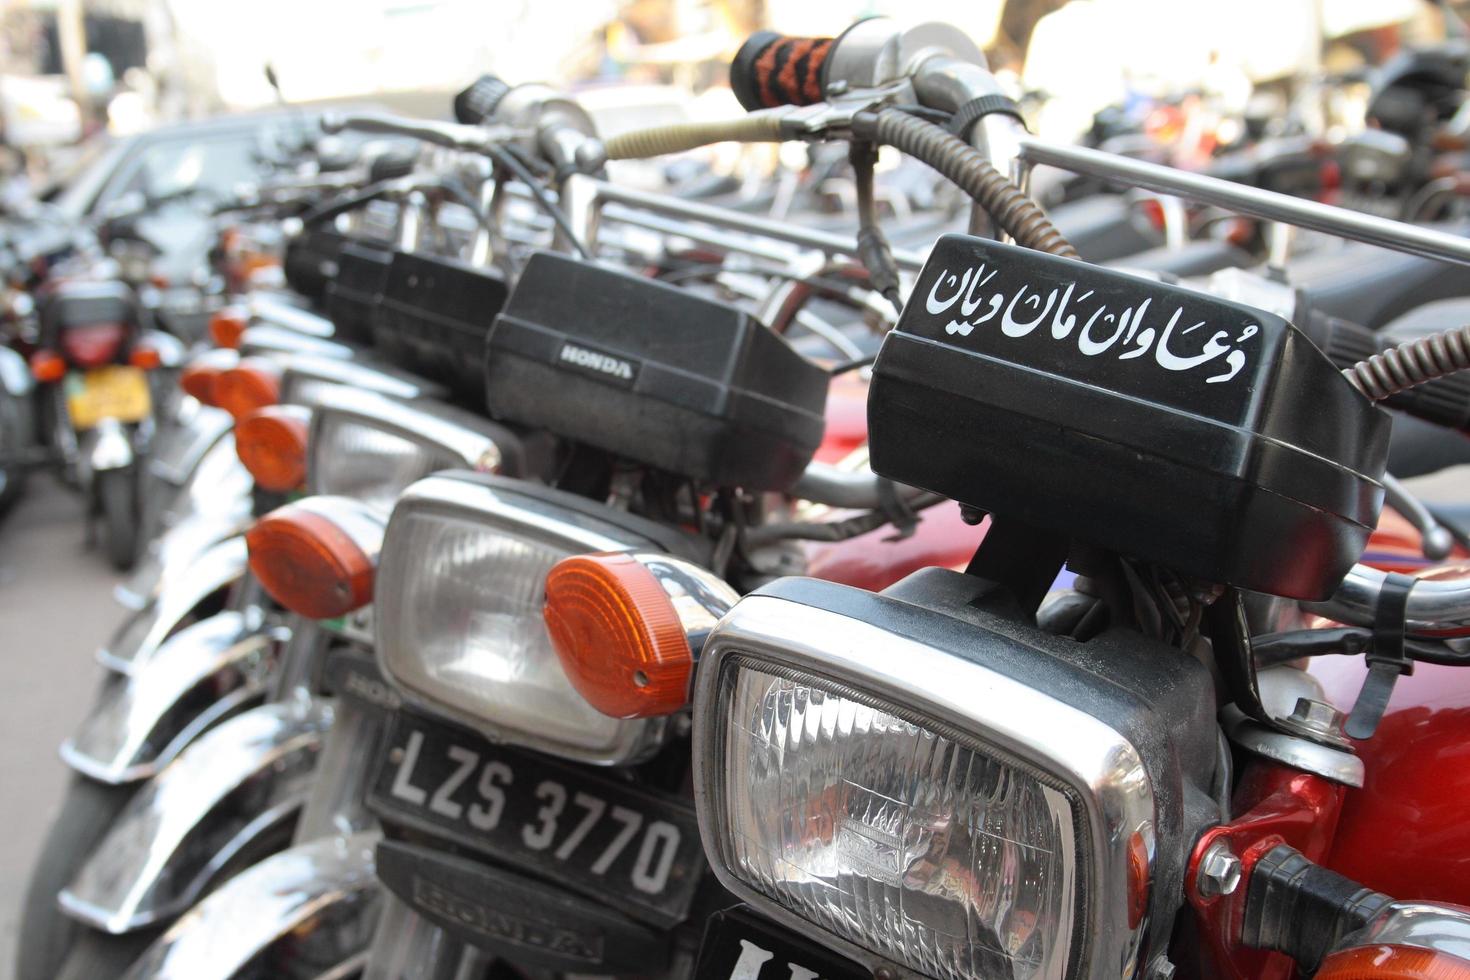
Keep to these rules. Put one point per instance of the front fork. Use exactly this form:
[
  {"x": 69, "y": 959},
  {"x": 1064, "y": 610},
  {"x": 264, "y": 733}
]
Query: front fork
[{"x": 406, "y": 946}]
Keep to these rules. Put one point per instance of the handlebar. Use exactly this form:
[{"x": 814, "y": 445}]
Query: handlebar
[{"x": 1436, "y": 609}]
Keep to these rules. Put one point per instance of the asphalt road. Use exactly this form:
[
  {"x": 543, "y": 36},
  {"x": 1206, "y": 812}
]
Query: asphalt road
[{"x": 56, "y": 607}]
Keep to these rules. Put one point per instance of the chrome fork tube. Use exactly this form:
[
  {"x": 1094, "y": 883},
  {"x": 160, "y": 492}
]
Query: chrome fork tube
[
  {"x": 335, "y": 802},
  {"x": 302, "y": 651},
  {"x": 407, "y": 946}
]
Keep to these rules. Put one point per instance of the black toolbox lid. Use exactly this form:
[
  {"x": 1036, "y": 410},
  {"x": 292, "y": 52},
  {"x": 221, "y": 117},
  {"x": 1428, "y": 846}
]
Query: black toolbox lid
[{"x": 1143, "y": 417}]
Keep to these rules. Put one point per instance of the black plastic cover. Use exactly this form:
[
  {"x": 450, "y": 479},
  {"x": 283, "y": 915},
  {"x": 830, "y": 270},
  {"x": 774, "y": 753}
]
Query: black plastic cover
[
  {"x": 353, "y": 296},
  {"x": 518, "y": 917},
  {"x": 1149, "y": 419},
  {"x": 654, "y": 374},
  {"x": 435, "y": 315},
  {"x": 310, "y": 261}
]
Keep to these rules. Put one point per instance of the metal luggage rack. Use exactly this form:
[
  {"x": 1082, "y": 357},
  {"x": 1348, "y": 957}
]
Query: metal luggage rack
[{"x": 591, "y": 201}]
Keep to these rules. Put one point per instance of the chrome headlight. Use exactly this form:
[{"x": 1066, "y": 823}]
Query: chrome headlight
[
  {"x": 371, "y": 448},
  {"x": 460, "y": 630},
  {"x": 304, "y": 377},
  {"x": 937, "y": 788}
]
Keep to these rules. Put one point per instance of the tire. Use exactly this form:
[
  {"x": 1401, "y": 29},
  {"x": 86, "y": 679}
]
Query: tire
[
  {"x": 117, "y": 498},
  {"x": 88, "y": 809},
  {"x": 17, "y": 436},
  {"x": 99, "y": 956}
]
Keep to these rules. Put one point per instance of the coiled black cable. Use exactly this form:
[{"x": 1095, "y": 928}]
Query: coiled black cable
[
  {"x": 1411, "y": 363},
  {"x": 967, "y": 167}
]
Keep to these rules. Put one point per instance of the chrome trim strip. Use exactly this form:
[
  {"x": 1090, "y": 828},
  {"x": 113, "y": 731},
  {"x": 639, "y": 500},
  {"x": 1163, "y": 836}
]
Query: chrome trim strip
[
  {"x": 1103, "y": 770},
  {"x": 244, "y": 777}
]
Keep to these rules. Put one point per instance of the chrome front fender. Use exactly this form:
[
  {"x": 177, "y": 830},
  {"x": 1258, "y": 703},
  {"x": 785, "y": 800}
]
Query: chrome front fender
[
  {"x": 307, "y": 912},
  {"x": 178, "y": 451},
  {"x": 141, "y": 633},
  {"x": 172, "y": 555},
  {"x": 108, "y": 447},
  {"x": 200, "y": 676},
  {"x": 234, "y": 787}
]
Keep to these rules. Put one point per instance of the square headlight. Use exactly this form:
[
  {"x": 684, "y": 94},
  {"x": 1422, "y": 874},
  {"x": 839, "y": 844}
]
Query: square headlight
[
  {"x": 920, "y": 782},
  {"x": 460, "y": 587},
  {"x": 370, "y": 448}
]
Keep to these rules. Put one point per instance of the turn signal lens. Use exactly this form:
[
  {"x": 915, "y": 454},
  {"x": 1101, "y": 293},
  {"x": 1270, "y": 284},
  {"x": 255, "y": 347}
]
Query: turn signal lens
[
  {"x": 1388, "y": 962},
  {"x": 146, "y": 358},
  {"x": 618, "y": 636},
  {"x": 226, "y": 326},
  {"x": 317, "y": 556},
  {"x": 199, "y": 375},
  {"x": 271, "y": 442},
  {"x": 252, "y": 384},
  {"x": 47, "y": 366}
]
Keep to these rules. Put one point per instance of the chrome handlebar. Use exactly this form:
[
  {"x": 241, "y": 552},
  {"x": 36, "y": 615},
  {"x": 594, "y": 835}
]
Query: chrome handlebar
[{"x": 1434, "y": 608}]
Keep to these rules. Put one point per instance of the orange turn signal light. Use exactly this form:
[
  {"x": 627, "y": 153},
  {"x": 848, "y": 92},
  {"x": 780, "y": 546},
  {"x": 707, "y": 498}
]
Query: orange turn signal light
[
  {"x": 252, "y": 384},
  {"x": 145, "y": 357},
  {"x": 618, "y": 635},
  {"x": 47, "y": 366},
  {"x": 1392, "y": 962},
  {"x": 226, "y": 326},
  {"x": 271, "y": 442},
  {"x": 309, "y": 562}
]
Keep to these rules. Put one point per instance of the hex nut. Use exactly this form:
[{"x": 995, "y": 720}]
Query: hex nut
[{"x": 1219, "y": 871}]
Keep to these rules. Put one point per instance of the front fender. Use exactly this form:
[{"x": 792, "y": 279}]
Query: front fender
[
  {"x": 141, "y": 634},
  {"x": 108, "y": 447},
  {"x": 15, "y": 375},
  {"x": 173, "y": 554},
  {"x": 236, "y": 785},
  {"x": 308, "y": 911},
  {"x": 179, "y": 449},
  {"x": 200, "y": 676}
]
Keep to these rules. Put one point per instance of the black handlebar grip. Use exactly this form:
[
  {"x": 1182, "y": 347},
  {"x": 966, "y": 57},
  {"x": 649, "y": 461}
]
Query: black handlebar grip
[
  {"x": 391, "y": 164},
  {"x": 1444, "y": 401},
  {"x": 773, "y": 70},
  {"x": 477, "y": 103}
]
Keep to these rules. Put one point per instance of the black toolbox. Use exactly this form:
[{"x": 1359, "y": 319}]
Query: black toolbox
[
  {"x": 653, "y": 374},
  {"x": 1149, "y": 419}
]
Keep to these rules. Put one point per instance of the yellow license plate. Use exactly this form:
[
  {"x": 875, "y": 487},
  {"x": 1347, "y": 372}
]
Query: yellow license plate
[{"x": 107, "y": 393}]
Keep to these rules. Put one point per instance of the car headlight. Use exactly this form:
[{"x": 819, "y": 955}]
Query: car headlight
[
  {"x": 371, "y": 448},
  {"x": 945, "y": 790},
  {"x": 459, "y": 611}
]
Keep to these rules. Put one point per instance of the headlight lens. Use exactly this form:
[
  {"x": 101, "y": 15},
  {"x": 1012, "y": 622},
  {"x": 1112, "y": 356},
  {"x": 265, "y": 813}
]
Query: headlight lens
[
  {"x": 892, "y": 835},
  {"x": 352, "y": 459},
  {"x": 459, "y": 619},
  {"x": 907, "y": 780}
]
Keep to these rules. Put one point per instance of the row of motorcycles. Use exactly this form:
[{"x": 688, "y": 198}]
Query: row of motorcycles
[{"x": 553, "y": 576}]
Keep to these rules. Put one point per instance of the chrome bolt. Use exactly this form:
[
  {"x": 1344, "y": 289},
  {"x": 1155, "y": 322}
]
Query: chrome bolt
[
  {"x": 1219, "y": 871},
  {"x": 838, "y": 87},
  {"x": 1160, "y": 969},
  {"x": 1317, "y": 717}
]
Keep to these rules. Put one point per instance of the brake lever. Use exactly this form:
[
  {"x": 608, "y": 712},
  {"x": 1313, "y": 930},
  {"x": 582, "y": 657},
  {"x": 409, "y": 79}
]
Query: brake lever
[{"x": 454, "y": 136}]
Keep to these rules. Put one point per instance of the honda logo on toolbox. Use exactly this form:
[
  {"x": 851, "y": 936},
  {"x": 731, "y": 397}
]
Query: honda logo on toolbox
[{"x": 598, "y": 363}]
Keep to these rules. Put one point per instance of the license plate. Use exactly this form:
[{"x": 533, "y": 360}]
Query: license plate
[
  {"x": 740, "y": 945},
  {"x": 116, "y": 392},
  {"x": 635, "y": 849}
]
